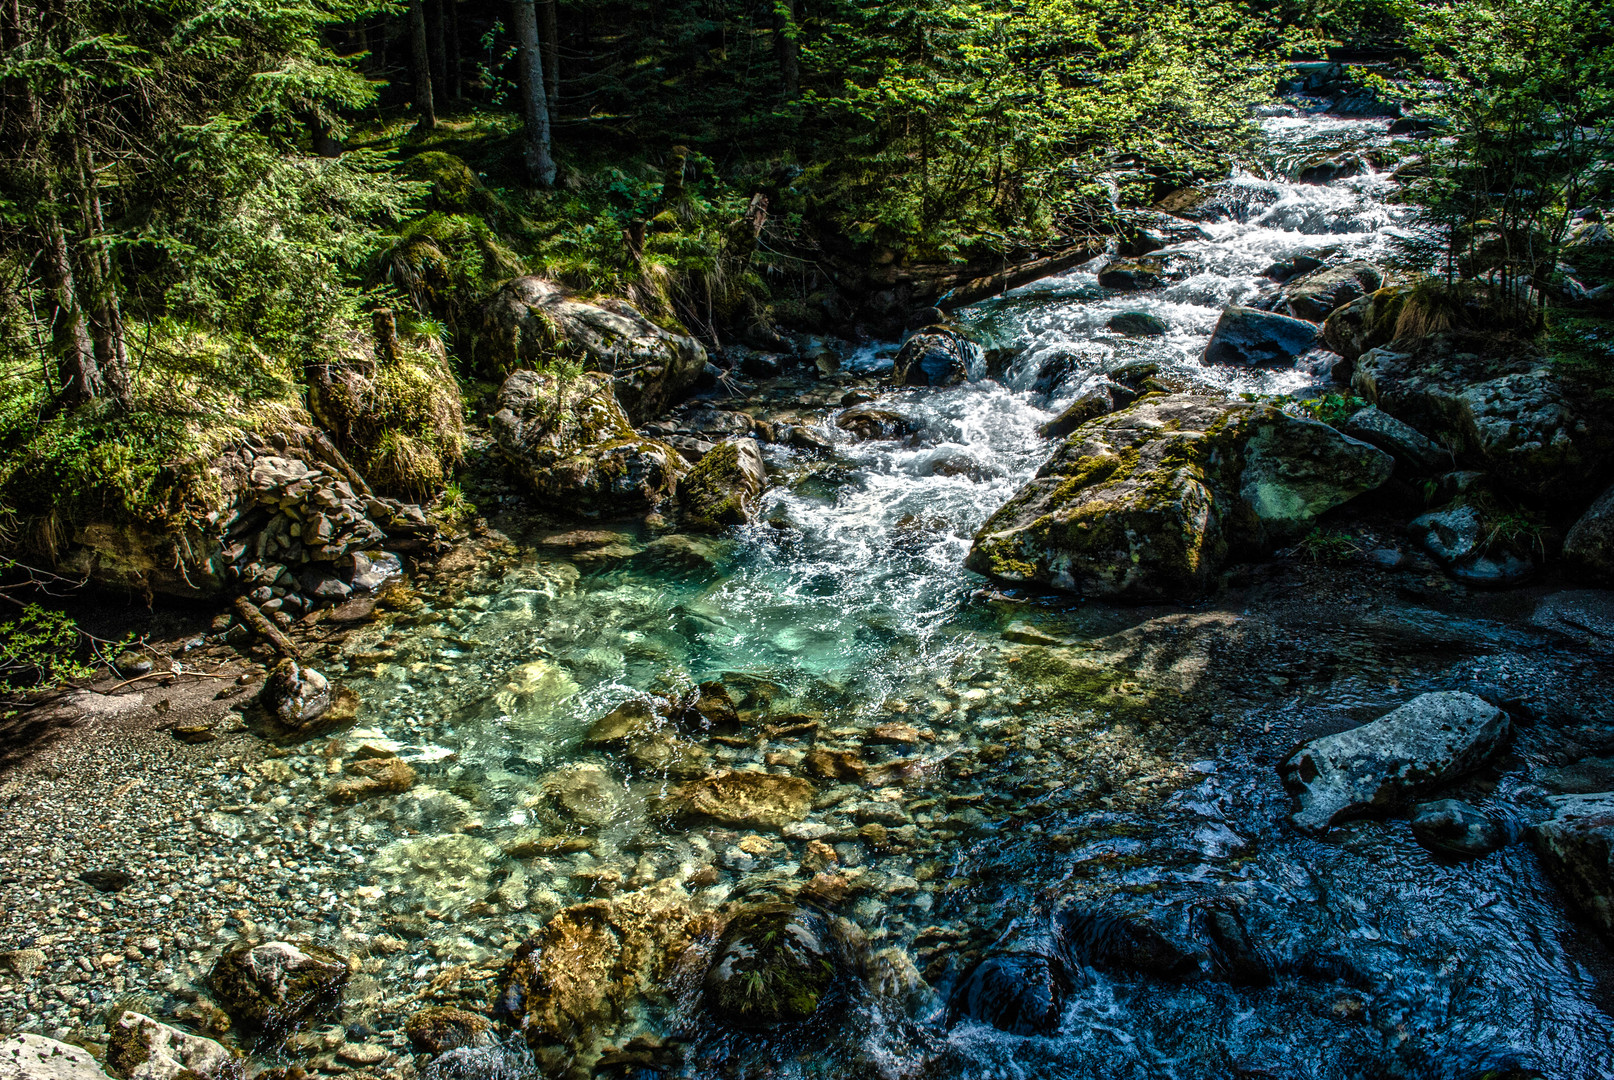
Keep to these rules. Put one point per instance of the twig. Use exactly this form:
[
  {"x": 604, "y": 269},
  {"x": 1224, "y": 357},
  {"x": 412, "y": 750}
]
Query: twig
[{"x": 170, "y": 674}]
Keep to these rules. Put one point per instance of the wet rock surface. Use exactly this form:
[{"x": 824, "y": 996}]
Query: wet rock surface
[
  {"x": 1433, "y": 739},
  {"x": 1254, "y": 338},
  {"x": 1577, "y": 844}
]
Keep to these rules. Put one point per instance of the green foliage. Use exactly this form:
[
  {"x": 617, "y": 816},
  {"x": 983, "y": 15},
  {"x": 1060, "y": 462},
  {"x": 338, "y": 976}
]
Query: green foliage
[
  {"x": 1328, "y": 547},
  {"x": 452, "y": 507},
  {"x": 1332, "y": 408},
  {"x": 1582, "y": 347},
  {"x": 39, "y": 648}
]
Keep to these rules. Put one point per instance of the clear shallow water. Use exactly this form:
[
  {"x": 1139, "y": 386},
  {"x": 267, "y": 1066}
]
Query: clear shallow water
[{"x": 1119, "y": 760}]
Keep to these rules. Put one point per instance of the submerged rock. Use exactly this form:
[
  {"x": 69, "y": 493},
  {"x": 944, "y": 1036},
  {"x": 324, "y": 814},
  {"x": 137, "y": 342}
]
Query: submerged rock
[
  {"x": 1577, "y": 845},
  {"x": 1589, "y": 547},
  {"x": 1022, "y": 993},
  {"x": 935, "y": 356},
  {"x": 494, "y": 1061},
  {"x": 749, "y": 800},
  {"x": 370, "y": 777},
  {"x": 1149, "y": 503},
  {"x": 1247, "y": 337},
  {"x": 573, "y": 443},
  {"x": 531, "y": 322},
  {"x": 722, "y": 489},
  {"x": 438, "y": 1029},
  {"x": 277, "y": 985},
  {"x": 774, "y": 965},
  {"x": 1137, "y": 324},
  {"x": 1456, "y": 830},
  {"x": 1433, "y": 739},
  {"x": 140, "y": 1048},
  {"x": 866, "y": 422}
]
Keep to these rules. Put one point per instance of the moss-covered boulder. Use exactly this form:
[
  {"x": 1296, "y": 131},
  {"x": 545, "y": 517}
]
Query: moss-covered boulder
[
  {"x": 534, "y": 322},
  {"x": 277, "y": 985},
  {"x": 723, "y": 488},
  {"x": 571, "y": 440},
  {"x": 573, "y": 984},
  {"x": 1512, "y": 415},
  {"x": 774, "y": 965},
  {"x": 1364, "y": 323},
  {"x": 140, "y": 1048},
  {"x": 455, "y": 187},
  {"x": 1149, "y": 503}
]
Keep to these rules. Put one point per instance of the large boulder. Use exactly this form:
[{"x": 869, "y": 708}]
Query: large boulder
[
  {"x": 140, "y": 1048},
  {"x": 1313, "y": 296},
  {"x": 531, "y": 322},
  {"x": 277, "y": 985},
  {"x": 1247, "y": 337},
  {"x": 1589, "y": 547},
  {"x": 571, "y": 440},
  {"x": 1577, "y": 844},
  {"x": 935, "y": 356},
  {"x": 1148, "y": 503},
  {"x": 1133, "y": 275},
  {"x": 1368, "y": 322},
  {"x": 1513, "y": 418},
  {"x": 1433, "y": 739},
  {"x": 1405, "y": 443},
  {"x": 724, "y": 487}
]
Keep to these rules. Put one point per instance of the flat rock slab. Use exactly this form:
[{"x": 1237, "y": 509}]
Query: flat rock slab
[
  {"x": 1430, "y": 740},
  {"x": 34, "y": 1057},
  {"x": 749, "y": 800},
  {"x": 1587, "y": 615},
  {"x": 1577, "y": 845}
]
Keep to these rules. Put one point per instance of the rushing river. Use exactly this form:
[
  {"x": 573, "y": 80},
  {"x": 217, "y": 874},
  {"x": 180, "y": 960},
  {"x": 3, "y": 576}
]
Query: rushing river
[{"x": 1068, "y": 756}]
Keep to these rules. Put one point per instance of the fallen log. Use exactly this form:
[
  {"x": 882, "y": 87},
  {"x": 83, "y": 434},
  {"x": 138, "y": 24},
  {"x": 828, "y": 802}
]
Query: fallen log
[{"x": 259, "y": 623}]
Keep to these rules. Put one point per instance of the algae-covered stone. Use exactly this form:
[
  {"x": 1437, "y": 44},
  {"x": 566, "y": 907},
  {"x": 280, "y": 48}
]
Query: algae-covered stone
[
  {"x": 531, "y": 321},
  {"x": 277, "y": 984},
  {"x": 774, "y": 965},
  {"x": 573, "y": 443},
  {"x": 140, "y": 1048},
  {"x": 438, "y": 1029},
  {"x": 722, "y": 489},
  {"x": 1430, "y": 740},
  {"x": 575, "y": 980},
  {"x": 1149, "y": 502},
  {"x": 1366, "y": 323},
  {"x": 750, "y": 800}
]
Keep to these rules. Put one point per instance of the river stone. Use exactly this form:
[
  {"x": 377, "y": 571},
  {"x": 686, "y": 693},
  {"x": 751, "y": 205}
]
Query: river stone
[
  {"x": 1589, "y": 547},
  {"x": 1313, "y": 296},
  {"x": 1137, "y": 324},
  {"x": 1148, "y": 503},
  {"x": 1586, "y": 615},
  {"x": 495, "y": 1061},
  {"x": 773, "y": 965},
  {"x": 277, "y": 985},
  {"x": 1406, "y": 443},
  {"x": 1292, "y": 267},
  {"x": 1433, "y": 739},
  {"x": 1021, "y": 993},
  {"x": 140, "y": 1048},
  {"x": 571, "y": 440},
  {"x": 867, "y": 422},
  {"x": 574, "y": 981},
  {"x": 1577, "y": 845},
  {"x": 370, "y": 777},
  {"x": 373, "y": 569},
  {"x": 935, "y": 356},
  {"x": 531, "y": 322},
  {"x": 295, "y": 695},
  {"x": 749, "y": 800},
  {"x": 1510, "y": 416},
  {"x": 723, "y": 488},
  {"x": 1247, "y": 337},
  {"x": 1133, "y": 275},
  {"x": 438, "y": 1029},
  {"x": 1368, "y": 322},
  {"x": 1453, "y": 828},
  {"x": 34, "y": 1057},
  {"x": 1459, "y": 538},
  {"x": 1094, "y": 403},
  {"x": 585, "y": 793}
]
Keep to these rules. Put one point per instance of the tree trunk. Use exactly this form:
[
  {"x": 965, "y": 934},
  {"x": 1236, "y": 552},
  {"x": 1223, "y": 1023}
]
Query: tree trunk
[
  {"x": 70, "y": 341},
  {"x": 422, "y": 68},
  {"x": 456, "y": 63},
  {"x": 437, "y": 30},
  {"x": 105, "y": 314},
  {"x": 549, "y": 38},
  {"x": 534, "y": 99},
  {"x": 786, "y": 49}
]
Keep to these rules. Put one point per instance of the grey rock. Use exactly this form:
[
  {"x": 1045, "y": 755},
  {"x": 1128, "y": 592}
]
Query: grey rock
[
  {"x": 373, "y": 569},
  {"x": 1457, "y": 536},
  {"x": 1586, "y": 615},
  {"x": 724, "y": 487},
  {"x": 1433, "y": 739},
  {"x": 1294, "y": 472},
  {"x": 1577, "y": 846},
  {"x": 1589, "y": 546},
  {"x": 1315, "y": 295},
  {"x": 936, "y": 356},
  {"x": 1456, "y": 830},
  {"x": 325, "y": 587},
  {"x": 295, "y": 695},
  {"x": 1245, "y": 337},
  {"x": 1406, "y": 443},
  {"x": 34, "y": 1057},
  {"x": 530, "y": 321}
]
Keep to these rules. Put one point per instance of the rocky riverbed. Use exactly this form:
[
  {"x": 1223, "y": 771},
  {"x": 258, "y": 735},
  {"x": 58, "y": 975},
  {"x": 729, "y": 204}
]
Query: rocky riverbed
[{"x": 767, "y": 783}]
